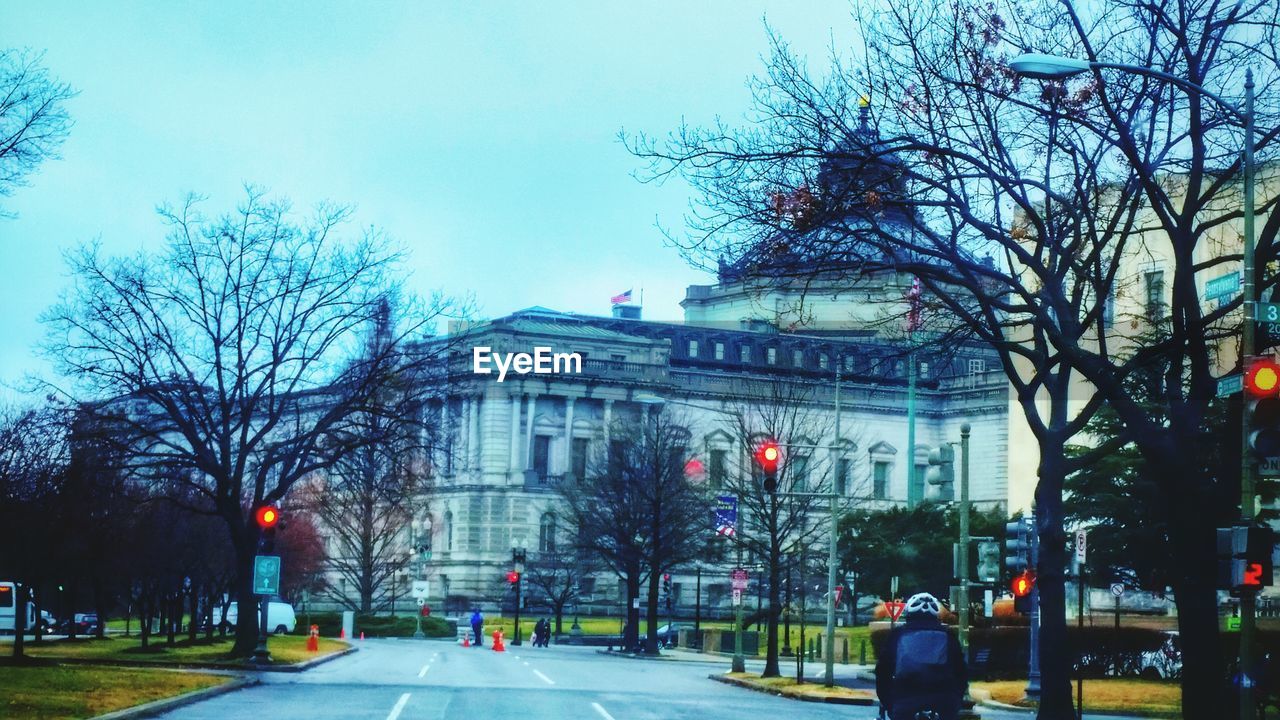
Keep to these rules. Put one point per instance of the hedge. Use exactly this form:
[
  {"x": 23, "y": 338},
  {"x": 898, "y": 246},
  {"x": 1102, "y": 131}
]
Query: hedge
[{"x": 377, "y": 625}]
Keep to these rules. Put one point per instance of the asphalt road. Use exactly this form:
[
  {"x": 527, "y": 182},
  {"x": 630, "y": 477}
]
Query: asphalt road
[{"x": 412, "y": 680}]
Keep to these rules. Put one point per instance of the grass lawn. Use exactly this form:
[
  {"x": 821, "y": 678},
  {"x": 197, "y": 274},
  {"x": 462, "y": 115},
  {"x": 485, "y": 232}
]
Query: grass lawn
[
  {"x": 81, "y": 691},
  {"x": 285, "y": 650},
  {"x": 1139, "y": 697}
]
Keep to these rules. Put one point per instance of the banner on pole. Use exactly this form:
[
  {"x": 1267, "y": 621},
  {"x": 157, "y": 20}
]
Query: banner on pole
[{"x": 726, "y": 515}]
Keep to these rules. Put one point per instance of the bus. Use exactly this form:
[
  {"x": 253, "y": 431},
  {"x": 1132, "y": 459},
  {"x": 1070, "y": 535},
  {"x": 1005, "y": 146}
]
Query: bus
[{"x": 8, "y": 601}]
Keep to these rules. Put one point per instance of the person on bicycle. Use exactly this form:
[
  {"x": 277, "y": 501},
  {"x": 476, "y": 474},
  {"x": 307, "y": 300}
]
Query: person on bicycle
[{"x": 921, "y": 674}]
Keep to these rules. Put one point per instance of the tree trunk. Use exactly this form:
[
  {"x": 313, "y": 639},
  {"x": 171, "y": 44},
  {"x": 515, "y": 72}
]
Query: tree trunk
[
  {"x": 651, "y": 611},
  {"x": 246, "y": 607},
  {"x": 1056, "y": 702},
  {"x": 1191, "y": 527},
  {"x": 771, "y": 649},
  {"x": 559, "y": 608},
  {"x": 144, "y": 618}
]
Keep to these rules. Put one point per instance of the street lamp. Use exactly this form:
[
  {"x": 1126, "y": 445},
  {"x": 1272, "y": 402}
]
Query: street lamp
[
  {"x": 420, "y": 553},
  {"x": 1053, "y": 67}
]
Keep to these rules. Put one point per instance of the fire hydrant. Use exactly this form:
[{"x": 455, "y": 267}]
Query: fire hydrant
[
  {"x": 497, "y": 642},
  {"x": 313, "y": 640}
]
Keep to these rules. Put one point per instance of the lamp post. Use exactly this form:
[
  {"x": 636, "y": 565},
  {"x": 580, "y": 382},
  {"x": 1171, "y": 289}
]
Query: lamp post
[
  {"x": 518, "y": 556},
  {"x": 420, "y": 553},
  {"x": 1052, "y": 67}
]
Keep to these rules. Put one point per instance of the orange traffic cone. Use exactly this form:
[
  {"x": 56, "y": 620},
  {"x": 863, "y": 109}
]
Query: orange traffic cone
[
  {"x": 342, "y": 633},
  {"x": 361, "y": 636},
  {"x": 497, "y": 642},
  {"x": 466, "y": 640}
]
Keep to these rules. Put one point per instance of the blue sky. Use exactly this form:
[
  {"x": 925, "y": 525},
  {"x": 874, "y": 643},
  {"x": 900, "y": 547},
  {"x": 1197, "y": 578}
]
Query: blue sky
[{"x": 479, "y": 135}]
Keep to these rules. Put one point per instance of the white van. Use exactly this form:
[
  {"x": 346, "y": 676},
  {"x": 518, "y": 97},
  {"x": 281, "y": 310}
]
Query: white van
[
  {"x": 280, "y": 616},
  {"x": 8, "y": 616}
]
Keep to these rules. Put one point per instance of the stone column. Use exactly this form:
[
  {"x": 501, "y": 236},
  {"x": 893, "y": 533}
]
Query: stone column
[
  {"x": 516, "y": 400},
  {"x": 568, "y": 434},
  {"x": 531, "y": 403},
  {"x": 464, "y": 444},
  {"x": 608, "y": 420},
  {"x": 476, "y": 442}
]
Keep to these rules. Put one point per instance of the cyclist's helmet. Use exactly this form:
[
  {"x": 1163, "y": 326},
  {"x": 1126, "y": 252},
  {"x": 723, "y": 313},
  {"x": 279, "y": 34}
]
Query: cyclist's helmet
[{"x": 923, "y": 603}]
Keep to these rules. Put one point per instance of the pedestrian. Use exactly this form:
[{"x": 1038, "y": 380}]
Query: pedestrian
[
  {"x": 921, "y": 673},
  {"x": 477, "y": 627},
  {"x": 545, "y": 634},
  {"x": 537, "y": 633}
]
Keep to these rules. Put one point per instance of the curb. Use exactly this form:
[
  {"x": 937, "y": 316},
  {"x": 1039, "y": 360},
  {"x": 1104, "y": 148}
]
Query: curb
[
  {"x": 305, "y": 666},
  {"x": 658, "y": 658},
  {"x": 156, "y": 707},
  {"x": 768, "y": 691}
]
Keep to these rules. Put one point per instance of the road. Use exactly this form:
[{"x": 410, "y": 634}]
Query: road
[{"x": 414, "y": 680}]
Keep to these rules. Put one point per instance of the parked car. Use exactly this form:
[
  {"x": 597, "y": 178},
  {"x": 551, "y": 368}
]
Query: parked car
[
  {"x": 1166, "y": 662},
  {"x": 48, "y": 623},
  {"x": 83, "y": 624},
  {"x": 669, "y": 634},
  {"x": 280, "y": 616}
]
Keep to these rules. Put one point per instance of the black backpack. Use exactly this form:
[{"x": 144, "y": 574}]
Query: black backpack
[{"x": 922, "y": 661}]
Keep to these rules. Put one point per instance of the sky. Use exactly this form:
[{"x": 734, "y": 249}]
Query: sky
[{"x": 481, "y": 136}]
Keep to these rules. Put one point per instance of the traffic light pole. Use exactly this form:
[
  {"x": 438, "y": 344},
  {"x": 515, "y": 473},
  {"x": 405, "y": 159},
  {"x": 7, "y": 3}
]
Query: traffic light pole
[
  {"x": 964, "y": 539},
  {"x": 1247, "y": 348},
  {"x": 829, "y": 652},
  {"x": 739, "y": 662}
]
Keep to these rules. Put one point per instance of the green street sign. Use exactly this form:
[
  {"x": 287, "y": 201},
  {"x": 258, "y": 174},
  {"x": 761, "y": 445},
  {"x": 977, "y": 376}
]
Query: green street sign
[
  {"x": 1230, "y": 385},
  {"x": 266, "y": 575},
  {"x": 1233, "y": 623},
  {"x": 1266, "y": 312}
]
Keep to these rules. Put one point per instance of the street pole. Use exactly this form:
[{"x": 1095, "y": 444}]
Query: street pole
[
  {"x": 697, "y": 610},
  {"x": 829, "y": 652},
  {"x": 739, "y": 662},
  {"x": 786, "y": 616},
  {"x": 1248, "y": 600},
  {"x": 911, "y": 424},
  {"x": 964, "y": 539},
  {"x": 1033, "y": 674}
]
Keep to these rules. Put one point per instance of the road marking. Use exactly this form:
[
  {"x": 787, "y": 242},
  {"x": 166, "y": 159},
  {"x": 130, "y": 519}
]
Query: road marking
[
  {"x": 603, "y": 713},
  {"x": 395, "y": 711},
  {"x": 526, "y": 663},
  {"x": 423, "y": 671},
  {"x": 545, "y": 679}
]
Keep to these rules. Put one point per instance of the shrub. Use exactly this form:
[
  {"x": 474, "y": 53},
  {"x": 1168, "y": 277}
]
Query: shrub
[{"x": 377, "y": 625}]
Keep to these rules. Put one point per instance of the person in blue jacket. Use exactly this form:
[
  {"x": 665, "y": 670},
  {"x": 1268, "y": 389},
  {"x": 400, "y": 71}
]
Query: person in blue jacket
[{"x": 477, "y": 627}]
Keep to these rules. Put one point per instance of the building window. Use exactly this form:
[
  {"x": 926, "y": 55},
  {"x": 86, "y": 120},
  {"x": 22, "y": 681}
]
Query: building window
[
  {"x": 799, "y": 473},
  {"x": 848, "y": 363},
  {"x": 842, "y": 476},
  {"x": 744, "y": 353},
  {"x": 771, "y": 356},
  {"x": 1154, "y": 294},
  {"x": 879, "y": 479},
  {"x": 797, "y": 358},
  {"x": 448, "y": 530},
  {"x": 578, "y": 461},
  {"x": 977, "y": 366},
  {"x": 1109, "y": 310},
  {"x": 541, "y": 455},
  {"x": 822, "y": 360},
  {"x": 718, "y": 470},
  {"x": 693, "y": 348},
  {"x": 616, "y": 357},
  {"x": 915, "y": 488},
  {"x": 719, "y": 351},
  {"x": 547, "y": 534}
]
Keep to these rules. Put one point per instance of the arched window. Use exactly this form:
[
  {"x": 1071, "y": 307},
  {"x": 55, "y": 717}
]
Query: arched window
[{"x": 547, "y": 534}]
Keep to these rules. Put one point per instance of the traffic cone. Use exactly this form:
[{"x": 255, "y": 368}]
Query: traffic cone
[
  {"x": 342, "y": 633},
  {"x": 497, "y": 642},
  {"x": 466, "y": 640},
  {"x": 361, "y": 636}
]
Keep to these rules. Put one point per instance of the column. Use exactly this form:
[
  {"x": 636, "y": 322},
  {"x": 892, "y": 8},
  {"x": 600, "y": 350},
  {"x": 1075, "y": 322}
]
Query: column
[
  {"x": 464, "y": 444},
  {"x": 531, "y": 403},
  {"x": 476, "y": 441},
  {"x": 568, "y": 434},
  {"x": 608, "y": 420},
  {"x": 516, "y": 399}
]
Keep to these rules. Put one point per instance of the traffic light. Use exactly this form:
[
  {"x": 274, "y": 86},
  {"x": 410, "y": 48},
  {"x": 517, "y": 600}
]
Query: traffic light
[
  {"x": 1244, "y": 557},
  {"x": 769, "y": 456},
  {"x": 268, "y": 519},
  {"x": 942, "y": 466},
  {"x": 666, "y": 583},
  {"x": 1262, "y": 386},
  {"x": 988, "y": 561},
  {"x": 1022, "y": 585},
  {"x": 1017, "y": 545},
  {"x": 513, "y": 577}
]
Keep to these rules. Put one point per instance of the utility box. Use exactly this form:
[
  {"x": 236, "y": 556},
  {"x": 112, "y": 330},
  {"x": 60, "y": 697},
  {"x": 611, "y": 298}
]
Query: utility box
[{"x": 348, "y": 624}]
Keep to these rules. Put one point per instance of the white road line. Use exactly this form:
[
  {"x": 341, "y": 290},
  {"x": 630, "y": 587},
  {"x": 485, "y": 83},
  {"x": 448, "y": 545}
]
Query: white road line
[
  {"x": 526, "y": 663},
  {"x": 423, "y": 671},
  {"x": 545, "y": 679},
  {"x": 603, "y": 713},
  {"x": 395, "y": 711}
]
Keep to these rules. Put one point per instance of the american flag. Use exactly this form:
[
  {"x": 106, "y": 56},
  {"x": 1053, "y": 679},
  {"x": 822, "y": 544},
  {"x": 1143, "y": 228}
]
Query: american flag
[
  {"x": 913, "y": 312},
  {"x": 621, "y": 298},
  {"x": 727, "y": 516}
]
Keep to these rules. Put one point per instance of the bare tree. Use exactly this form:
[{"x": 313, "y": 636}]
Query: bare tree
[
  {"x": 1023, "y": 207},
  {"x": 233, "y": 360},
  {"x": 33, "y": 116},
  {"x": 555, "y": 573},
  {"x": 639, "y": 513}
]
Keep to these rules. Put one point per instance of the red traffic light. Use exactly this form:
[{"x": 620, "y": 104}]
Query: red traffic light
[
  {"x": 1023, "y": 583},
  {"x": 267, "y": 516},
  {"x": 768, "y": 454},
  {"x": 513, "y": 577},
  {"x": 1261, "y": 377}
]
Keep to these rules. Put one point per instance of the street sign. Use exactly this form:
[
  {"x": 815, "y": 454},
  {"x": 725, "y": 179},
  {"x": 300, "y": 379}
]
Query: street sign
[
  {"x": 1222, "y": 287},
  {"x": 1117, "y": 589},
  {"x": 739, "y": 579},
  {"x": 737, "y": 597},
  {"x": 988, "y": 602},
  {"x": 1266, "y": 312},
  {"x": 1230, "y": 385},
  {"x": 1269, "y": 467},
  {"x": 839, "y": 592},
  {"x": 895, "y": 609},
  {"x": 1233, "y": 623},
  {"x": 421, "y": 588},
  {"x": 1082, "y": 544},
  {"x": 422, "y": 601},
  {"x": 266, "y": 575}
]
